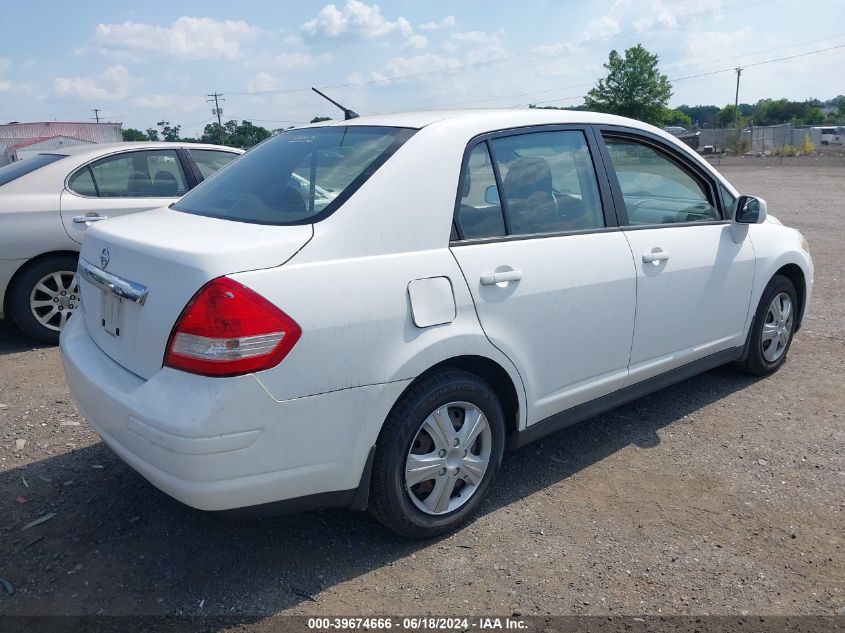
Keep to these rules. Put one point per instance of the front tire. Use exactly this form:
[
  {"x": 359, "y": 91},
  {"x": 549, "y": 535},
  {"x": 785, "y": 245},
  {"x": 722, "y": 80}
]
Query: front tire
[
  {"x": 44, "y": 296},
  {"x": 773, "y": 327},
  {"x": 438, "y": 455}
]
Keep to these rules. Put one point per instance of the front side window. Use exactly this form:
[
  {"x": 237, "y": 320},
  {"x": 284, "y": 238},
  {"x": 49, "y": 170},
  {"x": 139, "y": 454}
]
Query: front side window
[
  {"x": 656, "y": 190},
  {"x": 296, "y": 177},
  {"x": 142, "y": 174},
  {"x": 480, "y": 213},
  {"x": 14, "y": 171},
  {"x": 548, "y": 182},
  {"x": 209, "y": 160}
]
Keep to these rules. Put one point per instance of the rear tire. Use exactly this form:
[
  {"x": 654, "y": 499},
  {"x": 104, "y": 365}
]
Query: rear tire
[
  {"x": 43, "y": 296},
  {"x": 772, "y": 328},
  {"x": 431, "y": 472}
]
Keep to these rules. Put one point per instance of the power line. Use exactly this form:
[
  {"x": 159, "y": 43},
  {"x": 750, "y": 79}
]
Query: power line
[
  {"x": 585, "y": 85},
  {"x": 96, "y": 116}
]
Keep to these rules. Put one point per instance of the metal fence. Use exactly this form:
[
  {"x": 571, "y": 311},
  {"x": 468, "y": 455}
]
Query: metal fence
[{"x": 769, "y": 139}]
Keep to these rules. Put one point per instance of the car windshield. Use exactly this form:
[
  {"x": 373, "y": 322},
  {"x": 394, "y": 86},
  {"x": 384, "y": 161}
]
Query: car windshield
[
  {"x": 24, "y": 167},
  {"x": 297, "y": 177}
]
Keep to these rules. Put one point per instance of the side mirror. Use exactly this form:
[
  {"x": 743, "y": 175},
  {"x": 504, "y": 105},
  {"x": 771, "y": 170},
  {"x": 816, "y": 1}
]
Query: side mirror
[
  {"x": 750, "y": 210},
  {"x": 491, "y": 195}
]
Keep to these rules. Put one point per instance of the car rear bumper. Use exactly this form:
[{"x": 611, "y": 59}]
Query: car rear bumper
[{"x": 225, "y": 443}]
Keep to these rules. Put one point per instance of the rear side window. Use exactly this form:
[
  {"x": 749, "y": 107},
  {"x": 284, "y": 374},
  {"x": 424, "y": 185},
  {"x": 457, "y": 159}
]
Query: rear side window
[
  {"x": 209, "y": 160},
  {"x": 141, "y": 174},
  {"x": 297, "y": 177},
  {"x": 24, "y": 167},
  {"x": 548, "y": 182},
  {"x": 480, "y": 213}
]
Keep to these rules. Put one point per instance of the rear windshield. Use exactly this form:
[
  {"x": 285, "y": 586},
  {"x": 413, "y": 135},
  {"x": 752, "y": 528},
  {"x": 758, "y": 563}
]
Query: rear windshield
[
  {"x": 297, "y": 177},
  {"x": 24, "y": 167}
]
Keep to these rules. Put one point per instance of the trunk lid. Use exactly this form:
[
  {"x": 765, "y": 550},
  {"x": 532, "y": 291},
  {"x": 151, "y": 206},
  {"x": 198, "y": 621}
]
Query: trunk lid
[{"x": 171, "y": 255}]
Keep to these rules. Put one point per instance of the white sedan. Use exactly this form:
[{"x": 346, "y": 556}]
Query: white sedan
[
  {"x": 479, "y": 279},
  {"x": 48, "y": 201}
]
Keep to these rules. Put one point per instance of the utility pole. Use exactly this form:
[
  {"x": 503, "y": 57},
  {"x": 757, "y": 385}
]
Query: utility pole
[
  {"x": 736, "y": 99},
  {"x": 216, "y": 96},
  {"x": 96, "y": 116}
]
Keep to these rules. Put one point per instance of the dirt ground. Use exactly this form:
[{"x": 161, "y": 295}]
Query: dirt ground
[{"x": 720, "y": 495}]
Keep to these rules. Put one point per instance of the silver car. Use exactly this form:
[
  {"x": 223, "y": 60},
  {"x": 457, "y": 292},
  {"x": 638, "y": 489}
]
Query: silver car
[{"x": 47, "y": 202}]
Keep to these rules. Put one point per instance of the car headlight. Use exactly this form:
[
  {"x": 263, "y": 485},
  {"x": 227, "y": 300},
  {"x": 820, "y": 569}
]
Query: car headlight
[{"x": 804, "y": 244}]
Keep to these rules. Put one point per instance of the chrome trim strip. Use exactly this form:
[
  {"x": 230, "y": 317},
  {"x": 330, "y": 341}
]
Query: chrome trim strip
[{"x": 118, "y": 286}]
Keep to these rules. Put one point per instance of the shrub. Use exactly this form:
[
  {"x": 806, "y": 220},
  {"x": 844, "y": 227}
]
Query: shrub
[
  {"x": 741, "y": 146},
  {"x": 808, "y": 147}
]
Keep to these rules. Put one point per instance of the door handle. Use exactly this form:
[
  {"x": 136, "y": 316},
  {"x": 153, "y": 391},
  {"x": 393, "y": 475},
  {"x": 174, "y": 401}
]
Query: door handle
[
  {"x": 491, "y": 279},
  {"x": 656, "y": 256},
  {"x": 85, "y": 219}
]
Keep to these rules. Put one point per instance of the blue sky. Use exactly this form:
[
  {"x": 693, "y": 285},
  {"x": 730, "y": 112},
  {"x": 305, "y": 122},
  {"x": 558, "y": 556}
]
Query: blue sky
[{"x": 143, "y": 62}]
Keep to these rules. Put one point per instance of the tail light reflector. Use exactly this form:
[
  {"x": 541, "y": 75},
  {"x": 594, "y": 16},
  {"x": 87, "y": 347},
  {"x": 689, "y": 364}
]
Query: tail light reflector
[{"x": 227, "y": 330}]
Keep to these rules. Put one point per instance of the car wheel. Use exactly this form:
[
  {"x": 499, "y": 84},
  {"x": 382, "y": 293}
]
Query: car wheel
[
  {"x": 438, "y": 455},
  {"x": 44, "y": 296},
  {"x": 772, "y": 328}
]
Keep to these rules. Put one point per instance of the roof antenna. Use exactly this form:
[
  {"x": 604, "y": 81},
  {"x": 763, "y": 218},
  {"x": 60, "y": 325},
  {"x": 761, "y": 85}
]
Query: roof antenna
[{"x": 347, "y": 113}]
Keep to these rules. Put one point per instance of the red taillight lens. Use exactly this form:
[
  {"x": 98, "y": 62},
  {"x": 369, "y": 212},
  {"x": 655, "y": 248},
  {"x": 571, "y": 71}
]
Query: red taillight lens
[{"x": 227, "y": 330}]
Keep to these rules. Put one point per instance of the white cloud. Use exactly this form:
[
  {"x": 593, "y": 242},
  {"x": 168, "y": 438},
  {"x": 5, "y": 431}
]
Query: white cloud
[
  {"x": 262, "y": 82},
  {"x": 415, "y": 41},
  {"x": 446, "y": 23},
  {"x": 110, "y": 85},
  {"x": 169, "y": 102},
  {"x": 401, "y": 66},
  {"x": 459, "y": 40},
  {"x": 356, "y": 19},
  {"x": 601, "y": 27},
  {"x": 186, "y": 38},
  {"x": 297, "y": 60}
]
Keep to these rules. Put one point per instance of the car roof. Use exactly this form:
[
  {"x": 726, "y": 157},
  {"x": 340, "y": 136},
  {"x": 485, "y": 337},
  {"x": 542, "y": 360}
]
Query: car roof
[
  {"x": 496, "y": 118},
  {"x": 96, "y": 149}
]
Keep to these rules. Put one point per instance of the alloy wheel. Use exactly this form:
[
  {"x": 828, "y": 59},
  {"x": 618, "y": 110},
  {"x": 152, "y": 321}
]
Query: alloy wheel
[
  {"x": 777, "y": 327},
  {"x": 54, "y": 299}
]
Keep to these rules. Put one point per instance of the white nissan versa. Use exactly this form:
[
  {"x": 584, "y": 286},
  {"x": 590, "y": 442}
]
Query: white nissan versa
[{"x": 476, "y": 280}]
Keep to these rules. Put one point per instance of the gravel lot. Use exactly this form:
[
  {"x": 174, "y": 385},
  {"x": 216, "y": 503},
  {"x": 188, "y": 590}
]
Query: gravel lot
[{"x": 720, "y": 495}]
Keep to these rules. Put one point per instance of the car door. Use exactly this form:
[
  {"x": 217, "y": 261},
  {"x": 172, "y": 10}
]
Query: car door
[
  {"x": 693, "y": 280},
  {"x": 121, "y": 183},
  {"x": 551, "y": 274}
]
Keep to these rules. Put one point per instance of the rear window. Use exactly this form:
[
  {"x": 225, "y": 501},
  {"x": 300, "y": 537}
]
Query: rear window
[
  {"x": 24, "y": 167},
  {"x": 297, "y": 177}
]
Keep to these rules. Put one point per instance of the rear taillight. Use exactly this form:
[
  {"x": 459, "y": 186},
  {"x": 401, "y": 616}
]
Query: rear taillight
[{"x": 227, "y": 330}]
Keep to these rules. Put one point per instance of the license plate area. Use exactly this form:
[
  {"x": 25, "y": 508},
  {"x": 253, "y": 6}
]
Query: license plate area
[{"x": 111, "y": 312}]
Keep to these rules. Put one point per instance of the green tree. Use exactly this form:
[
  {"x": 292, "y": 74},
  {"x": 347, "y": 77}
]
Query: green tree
[
  {"x": 676, "y": 117},
  {"x": 701, "y": 115},
  {"x": 234, "y": 134},
  {"x": 633, "y": 87},
  {"x": 152, "y": 134},
  {"x": 214, "y": 133},
  {"x": 168, "y": 133},
  {"x": 727, "y": 117},
  {"x": 320, "y": 119},
  {"x": 131, "y": 134}
]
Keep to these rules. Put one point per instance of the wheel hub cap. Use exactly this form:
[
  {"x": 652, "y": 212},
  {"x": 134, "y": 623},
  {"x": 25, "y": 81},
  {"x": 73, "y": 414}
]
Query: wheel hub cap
[{"x": 448, "y": 458}]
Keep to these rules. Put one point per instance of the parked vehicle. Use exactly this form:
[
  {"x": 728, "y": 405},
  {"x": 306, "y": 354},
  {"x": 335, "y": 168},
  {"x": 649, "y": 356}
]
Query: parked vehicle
[
  {"x": 833, "y": 135},
  {"x": 478, "y": 280},
  {"x": 48, "y": 201}
]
